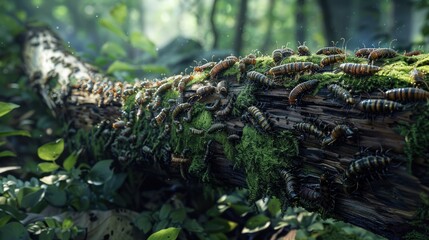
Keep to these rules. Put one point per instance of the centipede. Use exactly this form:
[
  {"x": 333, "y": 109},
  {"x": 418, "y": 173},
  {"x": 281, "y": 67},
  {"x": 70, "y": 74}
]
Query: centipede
[
  {"x": 291, "y": 184},
  {"x": 260, "y": 119},
  {"x": 293, "y": 68},
  {"x": 332, "y": 59},
  {"x": 375, "y": 106},
  {"x": 341, "y": 93},
  {"x": 329, "y": 51},
  {"x": 380, "y": 53},
  {"x": 261, "y": 79},
  {"x": 206, "y": 66},
  {"x": 406, "y": 94},
  {"x": 222, "y": 66},
  {"x": 357, "y": 69},
  {"x": 300, "y": 89}
]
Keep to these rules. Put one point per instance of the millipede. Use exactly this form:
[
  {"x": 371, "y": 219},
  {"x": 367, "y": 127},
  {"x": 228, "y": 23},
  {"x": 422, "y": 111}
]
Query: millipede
[
  {"x": 222, "y": 66},
  {"x": 292, "y": 68},
  {"x": 329, "y": 51},
  {"x": 309, "y": 129},
  {"x": 379, "y": 106},
  {"x": 357, "y": 69},
  {"x": 222, "y": 88},
  {"x": 162, "y": 115},
  {"x": 261, "y": 79},
  {"x": 260, "y": 119},
  {"x": 291, "y": 184},
  {"x": 179, "y": 109},
  {"x": 226, "y": 110},
  {"x": 364, "y": 52},
  {"x": 380, "y": 53},
  {"x": 406, "y": 94},
  {"x": 215, "y": 127},
  {"x": 331, "y": 59},
  {"x": 205, "y": 66},
  {"x": 300, "y": 89},
  {"x": 341, "y": 93}
]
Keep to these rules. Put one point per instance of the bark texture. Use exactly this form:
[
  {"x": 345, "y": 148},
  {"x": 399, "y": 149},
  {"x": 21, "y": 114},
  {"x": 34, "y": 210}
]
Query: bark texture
[{"x": 238, "y": 148}]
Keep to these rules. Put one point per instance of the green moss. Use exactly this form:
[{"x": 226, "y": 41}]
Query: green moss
[
  {"x": 261, "y": 153},
  {"x": 199, "y": 77},
  {"x": 416, "y": 135},
  {"x": 171, "y": 94},
  {"x": 244, "y": 99}
]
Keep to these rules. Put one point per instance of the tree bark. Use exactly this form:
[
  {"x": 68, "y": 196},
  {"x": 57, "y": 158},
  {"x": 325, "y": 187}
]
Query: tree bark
[
  {"x": 239, "y": 30},
  {"x": 386, "y": 203}
]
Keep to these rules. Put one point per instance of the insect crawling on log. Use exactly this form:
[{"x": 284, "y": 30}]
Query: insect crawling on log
[
  {"x": 412, "y": 53},
  {"x": 309, "y": 195},
  {"x": 162, "y": 115},
  {"x": 417, "y": 78},
  {"x": 119, "y": 124},
  {"x": 330, "y": 51},
  {"x": 188, "y": 117},
  {"x": 303, "y": 50},
  {"x": 205, "y": 91},
  {"x": 163, "y": 88},
  {"x": 407, "y": 94},
  {"x": 196, "y": 131},
  {"x": 183, "y": 81},
  {"x": 233, "y": 137},
  {"x": 227, "y": 110},
  {"x": 291, "y": 185},
  {"x": 382, "y": 53},
  {"x": 293, "y": 68},
  {"x": 379, "y": 106},
  {"x": 214, "y": 106},
  {"x": 364, "y": 52},
  {"x": 222, "y": 88},
  {"x": 179, "y": 109},
  {"x": 341, "y": 93},
  {"x": 279, "y": 54},
  {"x": 260, "y": 118},
  {"x": 310, "y": 129},
  {"x": 205, "y": 66},
  {"x": 246, "y": 61},
  {"x": 339, "y": 131},
  {"x": 300, "y": 89},
  {"x": 364, "y": 168},
  {"x": 222, "y": 66},
  {"x": 232, "y": 57},
  {"x": 331, "y": 59},
  {"x": 357, "y": 69},
  {"x": 182, "y": 163},
  {"x": 216, "y": 127},
  {"x": 261, "y": 79}
]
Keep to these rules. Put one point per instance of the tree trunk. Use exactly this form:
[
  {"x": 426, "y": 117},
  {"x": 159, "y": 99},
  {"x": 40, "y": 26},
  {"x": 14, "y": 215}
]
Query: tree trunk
[
  {"x": 269, "y": 31},
  {"x": 301, "y": 23},
  {"x": 239, "y": 30},
  {"x": 213, "y": 25},
  {"x": 389, "y": 201}
]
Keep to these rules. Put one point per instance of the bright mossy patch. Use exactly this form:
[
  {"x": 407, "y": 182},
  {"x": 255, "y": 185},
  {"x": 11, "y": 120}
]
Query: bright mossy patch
[
  {"x": 244, "y": 99},
  {"x": 262, "y": 156}
]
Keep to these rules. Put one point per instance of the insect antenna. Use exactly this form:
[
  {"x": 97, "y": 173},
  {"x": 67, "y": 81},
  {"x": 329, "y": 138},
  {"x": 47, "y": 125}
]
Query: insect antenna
[{"x": 390, "y": 45}]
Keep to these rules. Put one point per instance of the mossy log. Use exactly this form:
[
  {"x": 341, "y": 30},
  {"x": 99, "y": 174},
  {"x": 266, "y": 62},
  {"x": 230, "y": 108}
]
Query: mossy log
[{"x": 117, "y": 119}]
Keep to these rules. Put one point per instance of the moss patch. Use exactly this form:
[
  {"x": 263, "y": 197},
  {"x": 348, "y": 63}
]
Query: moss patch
[{"x": 244, "y": 99}]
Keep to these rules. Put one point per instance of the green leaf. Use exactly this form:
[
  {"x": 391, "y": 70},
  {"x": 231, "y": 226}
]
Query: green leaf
[
  {"x": 256, "y": 223},
  {"x": 121, "y": 66},
  {"x": 165, "y": 234},
  {"x": 107, "y": 23},
  {"x": 5, "y": 108},
  {"x": 114, "y": 183},
  {"x": 219, "y": 225},
  {"x": 165, "y": 211},
  {"x": 28, "y": 197},
  {"x": 67, "y": 224},
  {"x": 139, "y": 41},
  {"x": 55, "y": 196},
  {"x": 14, "y": 230},
  {"x": 119, "y": 13},
  {"x": 70, "y": 161},
  {"x": 15, "y": 133},
  {"x": 192, "y": 226},
  {"x": 4, "y": 219},
  {"x": 274, "y": 207},
  {"x": 318, "y": 226},
  {"x": 178, "y": 215},
  {"x": 51, "y": 151},
  {"x": 13, "y": 211},
  {"x": 113, "y": 49},
  {"x": 150, "y": 68},
  {"x": 7, "y": 154},
  {"x": 143, "y": 222},
  {"x": 100, "y": 172},
  {"x": 48, "y": 167}
]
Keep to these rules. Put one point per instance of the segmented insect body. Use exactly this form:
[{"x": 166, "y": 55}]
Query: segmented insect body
[
  {"x": 216, "y": 127},
  {"x": 196, "y": 131},
  {"x": 323, "y": 126},
  {"x": 181, "y": 162},
  {"x": 417, "y": 77},
  {"x": 303, "y": 50},
  {"x": 341, "y": 93},
  {"x": 222, "y": 88},
  {"x": 227, "y": 110},
  {"x": 331, "y": 59},
  {"x": 382, "y": 53},
  {"x": 188, "y": 117},
  {"x": 358, "y": 69},
  {"x": 330, "y": 51},
  {"x": 156, "y": 102},
  {"x": 364, "y": 168},
  {"x": 379, "y": 106},
  {"x": 277, "y": 55},
  {"x": 309, "y": 195},
  {"x": 162, "y": 115},
  {"x": 406, "y": 94},
  {"x": 233, "y": 137},
  {"x": 183, "y": 81},
  {"x": 205, "y": 66},
  {"x": 163, "y": 88},
  {"x": 261, "y": 79},
  {"x": 119, "y": 124},
  {"x": 364, "y": 52},
  {"x": 291, "y": 185},
  {"x": 412, "y": 53},
  {"x": 179, "y": 109},
  {"x": 244, "y": 62},
  {"x": 205, "y": 91},
  {"x": 310, "y": 129},
  {"x": 301, "y": 89},
  {"x": 214, "y": 106},
  {"x": 292, "y": 68},
  {"x": 260, "y": 119},
  {"x": 232, "y": 58},
  {"x": 221, "y": 66},
  {"x": 339, "y": 131}
]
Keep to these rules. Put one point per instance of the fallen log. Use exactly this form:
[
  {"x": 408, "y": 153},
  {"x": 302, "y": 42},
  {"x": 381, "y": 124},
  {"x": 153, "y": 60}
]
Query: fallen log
[{"x": 372, "y": 173}]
